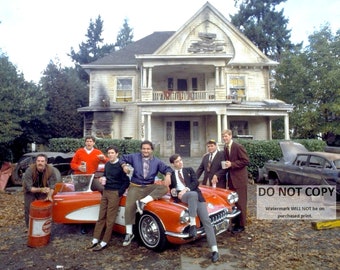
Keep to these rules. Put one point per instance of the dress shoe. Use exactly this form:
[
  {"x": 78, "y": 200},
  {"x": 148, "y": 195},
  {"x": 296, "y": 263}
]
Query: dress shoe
[
  {"x": 92, "y": 246},
  {"x": 238, "y": 229},
  {"x": 99, "y": 248},
  {"x": 215, "y": 257},
  {"x": 140, "y": 206},
  {"x": 192, "y": 231}
]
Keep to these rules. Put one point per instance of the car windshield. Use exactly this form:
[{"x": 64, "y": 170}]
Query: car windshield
[{"x": 79, "y": 182}]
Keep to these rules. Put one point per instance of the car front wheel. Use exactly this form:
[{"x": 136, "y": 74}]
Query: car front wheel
[{"x": 151, "y": 232}]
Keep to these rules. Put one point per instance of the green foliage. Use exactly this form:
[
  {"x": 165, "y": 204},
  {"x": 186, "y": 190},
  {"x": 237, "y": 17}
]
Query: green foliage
[
  {"x": 21, "y": 102},
  {"x": 263, "y": 25},
  {"x": 66, "y": 145},
  {"x": 310, "y": 80},
  {"x": 66, "y": 93},
  {"x": 92, "y": 49},
  {"x": 125, "y": 35},
  {"x": 260, "y": 152}
]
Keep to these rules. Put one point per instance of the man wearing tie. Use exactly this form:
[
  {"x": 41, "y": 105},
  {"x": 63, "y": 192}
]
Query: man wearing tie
[
  {"x": 184, "y": 186},
  {"x": 236, "y": 163},
  {"x": 214, "y": 175}
]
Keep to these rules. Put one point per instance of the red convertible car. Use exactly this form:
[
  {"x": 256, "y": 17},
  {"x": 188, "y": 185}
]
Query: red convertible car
[{"x": 163, "y": 221}]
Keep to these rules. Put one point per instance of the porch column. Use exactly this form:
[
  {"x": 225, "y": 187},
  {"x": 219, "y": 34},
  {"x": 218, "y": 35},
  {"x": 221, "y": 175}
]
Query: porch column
[
  {"x": 144, "y": 81},
  {"x": 217, "y": 78},
  {"x": 286, "y": 120},
  {"x": 149, "y": 126},
  {"x": 142, "y": 127},
  {"x": 219, "y": 130},
  {"x": 222, "y": 76},
  {"x": 149, "y": 77}
]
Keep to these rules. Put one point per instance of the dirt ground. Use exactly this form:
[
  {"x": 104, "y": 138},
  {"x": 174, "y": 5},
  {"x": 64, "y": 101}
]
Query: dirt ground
[{"x": 266, "y": 244}]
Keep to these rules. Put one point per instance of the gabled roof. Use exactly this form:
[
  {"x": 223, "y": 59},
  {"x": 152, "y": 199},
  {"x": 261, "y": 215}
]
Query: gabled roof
[{"x": 126, "y": 56}]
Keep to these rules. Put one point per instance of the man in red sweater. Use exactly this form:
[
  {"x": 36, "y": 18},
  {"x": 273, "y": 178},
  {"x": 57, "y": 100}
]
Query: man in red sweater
[{"x": 86, "y": 161}]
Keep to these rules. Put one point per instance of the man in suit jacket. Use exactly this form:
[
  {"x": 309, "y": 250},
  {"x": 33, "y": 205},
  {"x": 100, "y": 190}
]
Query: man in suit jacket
[
  {"x": 214, "y": 174},
  {"x": 184, "y": 186},
  {"x": 236, "y": 163}
]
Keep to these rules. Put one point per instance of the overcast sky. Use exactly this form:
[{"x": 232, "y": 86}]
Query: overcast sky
[{"x": 33, "y": 32}]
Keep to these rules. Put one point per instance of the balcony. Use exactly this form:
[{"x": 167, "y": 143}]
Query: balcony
[{"x": 211, "y": 95}]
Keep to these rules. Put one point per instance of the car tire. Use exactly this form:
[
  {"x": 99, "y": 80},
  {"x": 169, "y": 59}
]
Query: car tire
[{"x": 151, "y": 232}]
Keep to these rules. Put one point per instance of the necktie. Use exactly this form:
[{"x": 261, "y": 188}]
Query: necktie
[
  {"x": 180, "y": 176},
  {"x": 209, "y": 162},
  {"x": 146, "y": 167},
  {"x": 227, "y": 151}
]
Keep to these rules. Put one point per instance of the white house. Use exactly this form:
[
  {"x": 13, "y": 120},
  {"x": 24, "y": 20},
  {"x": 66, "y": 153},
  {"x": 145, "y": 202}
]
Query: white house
[{"x": 181, "y": 89}]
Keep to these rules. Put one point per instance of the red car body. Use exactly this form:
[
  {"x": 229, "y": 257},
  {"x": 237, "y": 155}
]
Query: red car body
[{"x": 163, "y": 221}]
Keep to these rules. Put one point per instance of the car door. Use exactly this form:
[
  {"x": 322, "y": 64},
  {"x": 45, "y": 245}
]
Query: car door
[{"x": 314, "y": 170}]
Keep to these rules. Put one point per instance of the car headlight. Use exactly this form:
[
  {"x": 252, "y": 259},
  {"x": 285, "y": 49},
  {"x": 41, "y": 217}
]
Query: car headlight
[
  {"x": 232, "y": 198},
  {"x": 184, "y": 217}
]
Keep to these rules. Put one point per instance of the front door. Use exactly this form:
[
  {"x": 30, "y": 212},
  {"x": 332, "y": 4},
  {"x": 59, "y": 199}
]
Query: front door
[{"x": 182, "y": 138}]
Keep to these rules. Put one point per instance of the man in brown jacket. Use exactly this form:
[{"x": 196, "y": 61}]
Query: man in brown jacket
[{"x": 237, "y": 161}]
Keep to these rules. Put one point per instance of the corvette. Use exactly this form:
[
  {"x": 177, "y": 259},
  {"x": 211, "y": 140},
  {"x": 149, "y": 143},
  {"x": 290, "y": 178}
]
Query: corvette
[{"x": 162, "y": 222}]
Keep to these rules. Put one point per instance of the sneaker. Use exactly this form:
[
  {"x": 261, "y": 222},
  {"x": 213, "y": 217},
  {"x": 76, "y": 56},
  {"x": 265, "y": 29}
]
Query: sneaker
[
  {"x": 192, "y": 231},
  {"x": 140, "y": 206},
  {"x": 93, "y": 245},
  {"x": 128, "y": 239}
]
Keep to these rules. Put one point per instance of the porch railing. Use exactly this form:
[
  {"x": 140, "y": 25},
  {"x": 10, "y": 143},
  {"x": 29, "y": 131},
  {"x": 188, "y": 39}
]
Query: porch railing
[{"x": 182, "y": 95}]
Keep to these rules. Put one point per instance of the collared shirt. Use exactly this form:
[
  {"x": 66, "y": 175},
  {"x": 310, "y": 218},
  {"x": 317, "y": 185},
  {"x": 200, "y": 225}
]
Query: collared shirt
[{"x": 180, "y": 185}]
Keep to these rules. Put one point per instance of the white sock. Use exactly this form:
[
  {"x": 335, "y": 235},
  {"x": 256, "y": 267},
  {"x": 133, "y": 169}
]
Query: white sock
[
  {"x": 214, "y": 248},
  {"x": 128, "y": 228},
  {"x": 103, "y": 244},
  {"x": 94, "y": 241},
  {"x": 192, "y": 221},
  {"x": 147, "y": 199}
]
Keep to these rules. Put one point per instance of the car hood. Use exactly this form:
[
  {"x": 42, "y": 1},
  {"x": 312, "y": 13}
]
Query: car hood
[{"x": 291, "y": 149}]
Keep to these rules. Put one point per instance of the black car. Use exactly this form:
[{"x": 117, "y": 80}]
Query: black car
[
  {"x": 298, "y": 166},
  {"x": 60, "y": 161}
]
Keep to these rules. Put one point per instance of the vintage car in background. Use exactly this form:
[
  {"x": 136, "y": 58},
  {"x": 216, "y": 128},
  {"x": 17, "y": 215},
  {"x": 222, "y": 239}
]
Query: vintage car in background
[
  {"x": 58, "y": 160},
  {"x": 298, "y": 166},
  {"x": 163, "y": 221}
]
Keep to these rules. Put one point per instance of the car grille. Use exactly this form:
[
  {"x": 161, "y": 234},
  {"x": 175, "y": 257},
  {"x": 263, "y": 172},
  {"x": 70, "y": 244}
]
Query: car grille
[{"x": 218, "y": 217}]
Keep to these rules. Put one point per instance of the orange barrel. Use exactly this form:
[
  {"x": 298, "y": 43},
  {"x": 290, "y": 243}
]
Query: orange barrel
[{"x": 40, "y": 223}]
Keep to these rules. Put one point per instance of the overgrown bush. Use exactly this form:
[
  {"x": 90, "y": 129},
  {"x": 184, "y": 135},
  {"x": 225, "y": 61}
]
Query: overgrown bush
[{"x": 71, "y": 145}]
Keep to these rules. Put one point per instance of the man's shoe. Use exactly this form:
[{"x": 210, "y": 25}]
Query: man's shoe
[
  {"x": 238, "y": 229},
  {"x": 92, "y": 246},
  {"x": 128, "y": 239},
  {"x": 215, "y": 257},
  {"x": 140, "y": 206},
  {"x": 99, "y": 248},
  {"x": 192, "y": 231}
]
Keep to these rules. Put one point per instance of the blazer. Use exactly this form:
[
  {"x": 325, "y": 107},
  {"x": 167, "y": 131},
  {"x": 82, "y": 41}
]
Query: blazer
[
  {"x": 238, "y": 173},
  {"x": 215, "y": 169},
  {"x": 190, "y": 180}
]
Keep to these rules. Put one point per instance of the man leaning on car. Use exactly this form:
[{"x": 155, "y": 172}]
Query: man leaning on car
[{"x": 38, "y": 183}]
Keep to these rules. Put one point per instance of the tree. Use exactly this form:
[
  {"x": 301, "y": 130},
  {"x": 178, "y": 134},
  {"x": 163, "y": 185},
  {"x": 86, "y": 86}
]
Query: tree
[
  {"x": 66, "y": 93},
  {"x": 21, "y": 101},
  {"x": 125, "y": 35},
  {"x": 92, "y": 49},
  {"x": 263, "y": 25},
  {"x": 310, "y": 80}
]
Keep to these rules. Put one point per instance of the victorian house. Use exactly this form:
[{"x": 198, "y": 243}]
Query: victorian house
[{"x": 181, "y": 89}]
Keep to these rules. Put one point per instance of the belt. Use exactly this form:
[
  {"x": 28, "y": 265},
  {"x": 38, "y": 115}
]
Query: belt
[{"x": 136, "y": 185}]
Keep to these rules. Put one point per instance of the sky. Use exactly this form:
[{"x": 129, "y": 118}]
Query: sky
[{"x": 33, "y": 32}]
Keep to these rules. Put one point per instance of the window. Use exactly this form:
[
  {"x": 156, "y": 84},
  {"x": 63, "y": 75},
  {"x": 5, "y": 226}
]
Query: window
[
  {"x": 124, "y": 89},
  {"x": 239, "y": 128},
  {"x": 237, "y": 87},
  {"x": 195, "y": 131},
  {"x": 169, "y": 131},
  {"x": 194, "y": 84}
]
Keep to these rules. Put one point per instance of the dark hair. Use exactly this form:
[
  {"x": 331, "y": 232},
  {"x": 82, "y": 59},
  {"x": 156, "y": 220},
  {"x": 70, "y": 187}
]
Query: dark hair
[
  {"x": 90, "y": 138},
  {"x": 42, "y": 155},
  {"x": 173, "y": 158},
  {"x": 113, "y": 147},
  {"x": 146, "y": 142}
]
